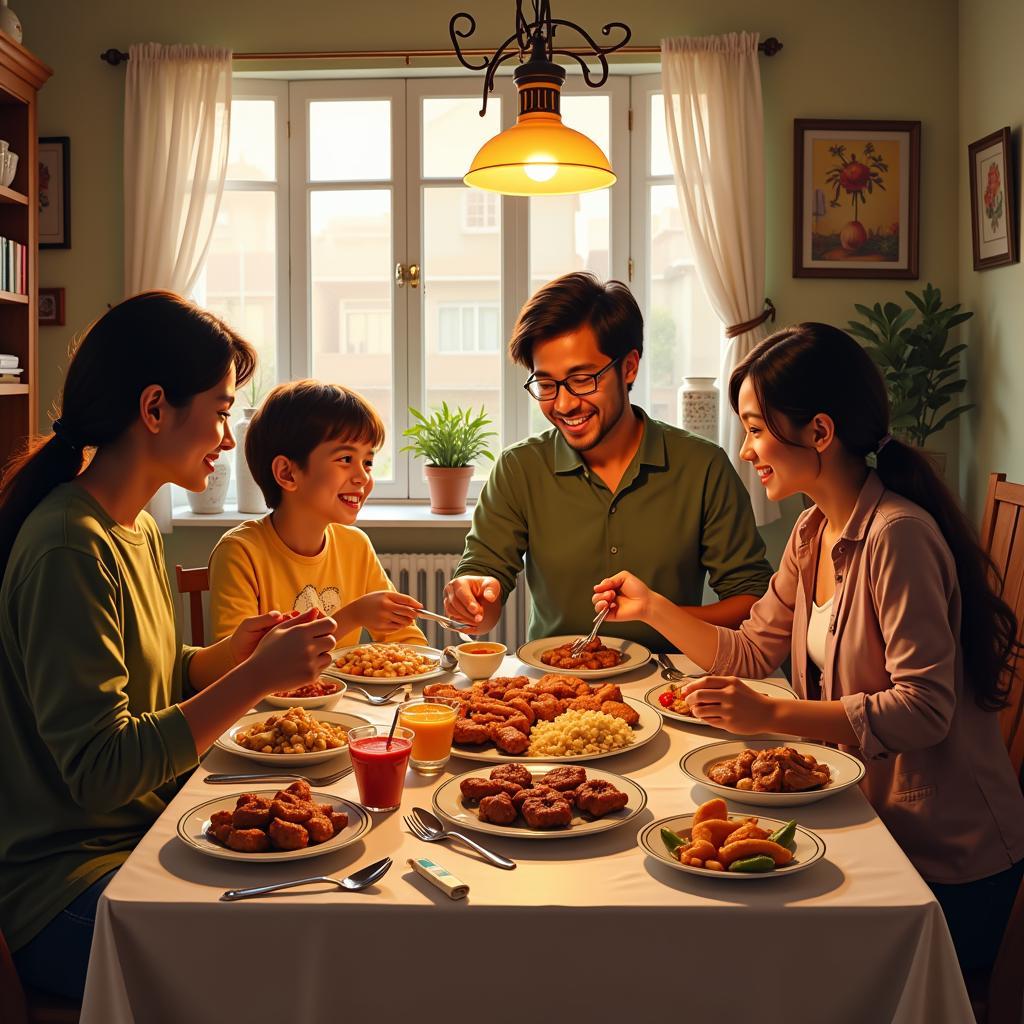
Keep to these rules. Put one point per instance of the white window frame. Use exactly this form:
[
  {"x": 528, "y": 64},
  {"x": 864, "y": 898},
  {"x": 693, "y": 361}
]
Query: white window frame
[
  {"x": 476, "y": 308},
  {"x": 491, "y": 202}
]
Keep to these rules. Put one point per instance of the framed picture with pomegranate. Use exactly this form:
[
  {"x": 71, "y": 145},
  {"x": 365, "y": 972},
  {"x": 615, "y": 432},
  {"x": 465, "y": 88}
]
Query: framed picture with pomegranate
[
  {"x": 856, "y": 198},
  {"x": 993, "y": 201}
]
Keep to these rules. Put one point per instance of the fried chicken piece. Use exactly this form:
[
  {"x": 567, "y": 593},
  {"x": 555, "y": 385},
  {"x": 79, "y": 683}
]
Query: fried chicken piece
[
  {"x": 547, "y": 812},
  {"x": 599, "y": 797},
  {"x": 565, "y": 777},
  {"x": 727, "y": 773},
  {"x": 516, "y": 773},
  {"x": 476, "y": 787},
  {"x": 247, "y": 840},
  {"x": 535, "y": 791},
  {"x": 219, "y": 832},
  {"x": 247, "y": 798},
  {"x": 767, "y": 775},
  {"x": 470, "y": 732},
  {"x": 320, "y": 829},
  {"x": 557, "y": 685},
  {"x": 619, "y": 710},
  {"x": 300, "y": 790},
  {"x": 546, "y": 706},
  {"x": 510, "y": 739},
  {"x": 219, "y": 818},
  {"x": 288, "y": 835},
  {"x": 591, "y": 702},
  {"x": 609, "y": 691},
  {"x": 296, "y": 811},
  {"x": 252, "y": 815},
  {"x": 498, "y": 809},
  {"x": 339, "y": 820}
]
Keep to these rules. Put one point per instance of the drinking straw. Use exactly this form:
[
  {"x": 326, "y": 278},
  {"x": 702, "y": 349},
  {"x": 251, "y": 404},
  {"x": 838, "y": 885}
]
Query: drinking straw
[{"x": 394, "y": 721}]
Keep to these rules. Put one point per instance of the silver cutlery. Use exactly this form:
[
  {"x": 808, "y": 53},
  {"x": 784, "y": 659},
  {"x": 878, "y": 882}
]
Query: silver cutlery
[
  {"x": 353, "y": 883},
  {"x": 219, "y": 778},
  {"x": 377, "y": 699},
  {"x": 449, "y": 623},
  {"x": 582, "y": 641},
  {"x": 428, "y": 827},
  {"x": 674, "y": 675}
]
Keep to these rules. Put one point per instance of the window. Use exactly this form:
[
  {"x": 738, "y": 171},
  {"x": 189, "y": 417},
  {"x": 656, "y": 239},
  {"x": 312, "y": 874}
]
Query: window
[{"x": 348, "y": 249}]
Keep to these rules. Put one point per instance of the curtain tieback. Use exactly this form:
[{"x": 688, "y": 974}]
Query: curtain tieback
[{"x": 748, "y": 325}]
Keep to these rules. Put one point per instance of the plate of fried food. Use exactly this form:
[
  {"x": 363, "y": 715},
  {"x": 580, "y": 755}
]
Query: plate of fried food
[
  {"x": 711, "y": 843},
  {"x": 271, "y": 825},
  {"x": 540, "y": 801},
  {"x": 291, "y": 737},
  {"x": 554, "y": 718},
  {"x": 665, "y": 697},
  {"x": 766, "y": 773},
  {"x": 320, "y": 694},
  {"x": 385, "y": 663},
  {"x": 602, "y": 657}
]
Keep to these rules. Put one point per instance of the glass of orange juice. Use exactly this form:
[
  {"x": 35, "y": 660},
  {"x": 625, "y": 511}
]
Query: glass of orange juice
[{"x": 432, "y": 721}]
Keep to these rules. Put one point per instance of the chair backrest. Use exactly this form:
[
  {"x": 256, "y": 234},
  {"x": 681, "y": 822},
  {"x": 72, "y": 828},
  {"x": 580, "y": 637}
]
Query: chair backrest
[
  {"x": 13, "y": 1005},
  {"x": 1002, "y": 535},
  {"x": 193, "y": 582}
]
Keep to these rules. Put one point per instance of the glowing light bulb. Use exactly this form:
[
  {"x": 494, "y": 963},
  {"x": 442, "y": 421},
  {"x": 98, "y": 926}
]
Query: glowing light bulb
[{"x": 537, "y": 171}]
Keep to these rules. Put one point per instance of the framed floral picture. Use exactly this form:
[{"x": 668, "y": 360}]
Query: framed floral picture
[
  {"x": 993, "y": 201},
  {"x": 55, "y": 192},
  {"x": 856, "y": 198},
  {"x": 51, "y": 307}
]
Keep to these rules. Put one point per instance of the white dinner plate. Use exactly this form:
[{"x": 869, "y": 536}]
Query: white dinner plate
[
  {"x": 193, "y": 824},
  {"x": 809, "y": 847},
  {"x": 327, "y": 700},
  {"x": 449, "y": 805},
  {"x": 846, "y": 771},
  {"x": 635, "y": 656},
  {"x": 227, "y": 740},
  {"x": 429, "y": 652},
  {"x": 643, "y": 732},
  {"x": 778, "y": 691}
]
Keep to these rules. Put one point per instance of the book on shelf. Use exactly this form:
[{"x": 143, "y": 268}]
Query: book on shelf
[{"x": 13, "y": 264}]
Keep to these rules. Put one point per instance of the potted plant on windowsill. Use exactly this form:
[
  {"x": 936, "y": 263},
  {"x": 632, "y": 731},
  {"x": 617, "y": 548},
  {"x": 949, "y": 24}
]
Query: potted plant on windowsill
[
  {"x": 920, "y": 368},
  {"x": 450, "y": 440}
]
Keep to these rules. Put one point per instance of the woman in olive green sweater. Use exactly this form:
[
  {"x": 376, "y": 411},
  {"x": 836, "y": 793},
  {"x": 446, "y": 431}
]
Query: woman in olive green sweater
[{"x": 94, "y": 724}]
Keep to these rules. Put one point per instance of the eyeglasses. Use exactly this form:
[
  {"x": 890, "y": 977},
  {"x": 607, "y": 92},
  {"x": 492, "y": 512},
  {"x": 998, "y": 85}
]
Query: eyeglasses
[{"x": 578, "y": 384}]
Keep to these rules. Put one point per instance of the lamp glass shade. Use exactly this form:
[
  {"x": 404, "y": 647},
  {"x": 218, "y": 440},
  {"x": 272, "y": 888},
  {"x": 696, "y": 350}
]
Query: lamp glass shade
[{"x": 540, "y": 156}]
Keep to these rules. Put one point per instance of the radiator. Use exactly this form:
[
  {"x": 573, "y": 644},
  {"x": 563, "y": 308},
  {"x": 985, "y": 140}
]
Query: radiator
[{"x": 424, "y": 576}]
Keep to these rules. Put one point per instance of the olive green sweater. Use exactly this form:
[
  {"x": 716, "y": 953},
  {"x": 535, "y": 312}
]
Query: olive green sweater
[{"x": 91, "y": 737}]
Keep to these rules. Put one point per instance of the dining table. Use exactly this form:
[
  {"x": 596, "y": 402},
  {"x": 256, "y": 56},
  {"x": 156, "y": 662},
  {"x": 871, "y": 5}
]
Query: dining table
[{"x": 589, "y": 928}]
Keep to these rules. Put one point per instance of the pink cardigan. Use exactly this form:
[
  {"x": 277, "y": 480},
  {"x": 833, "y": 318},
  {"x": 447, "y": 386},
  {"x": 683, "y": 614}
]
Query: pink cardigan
[{"x": 937, "y": 770}]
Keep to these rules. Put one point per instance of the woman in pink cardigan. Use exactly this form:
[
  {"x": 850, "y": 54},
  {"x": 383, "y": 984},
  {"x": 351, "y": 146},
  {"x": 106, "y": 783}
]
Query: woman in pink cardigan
[{"x": 899, "y": 644}]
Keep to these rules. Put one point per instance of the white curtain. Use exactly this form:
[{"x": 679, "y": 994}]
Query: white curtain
[
  {"x": 715, "y": 126},
  {"x": 177, "y": 116}
]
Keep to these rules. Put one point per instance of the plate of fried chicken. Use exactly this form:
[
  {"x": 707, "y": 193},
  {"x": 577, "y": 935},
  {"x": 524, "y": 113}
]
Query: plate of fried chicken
[
  {"x": 539, "y": 801},
  {"x": 770, "y": 773},
  {"x": 602, "y": 657}
]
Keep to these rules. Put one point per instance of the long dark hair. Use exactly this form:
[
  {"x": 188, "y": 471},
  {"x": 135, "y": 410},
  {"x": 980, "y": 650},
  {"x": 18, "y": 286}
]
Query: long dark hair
[
  {"x": 813, "y": 368},
  {"x": 156, "y": 337}
]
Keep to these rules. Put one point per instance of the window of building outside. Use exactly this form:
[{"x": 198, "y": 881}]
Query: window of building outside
[{"x": 314, "y": 243}]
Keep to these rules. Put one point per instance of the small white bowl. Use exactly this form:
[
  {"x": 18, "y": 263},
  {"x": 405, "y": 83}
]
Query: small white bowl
[
  {"x": 480, "y": 666},
  {"x": 327, "y": 700}
]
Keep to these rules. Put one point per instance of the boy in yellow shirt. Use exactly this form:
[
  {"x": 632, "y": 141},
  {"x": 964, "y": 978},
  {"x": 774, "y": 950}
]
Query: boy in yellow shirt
[{"x": 310, "y": 449}]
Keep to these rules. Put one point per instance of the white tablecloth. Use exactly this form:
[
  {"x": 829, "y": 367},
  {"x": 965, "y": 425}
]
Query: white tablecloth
[{"x": 583, "y": 929}]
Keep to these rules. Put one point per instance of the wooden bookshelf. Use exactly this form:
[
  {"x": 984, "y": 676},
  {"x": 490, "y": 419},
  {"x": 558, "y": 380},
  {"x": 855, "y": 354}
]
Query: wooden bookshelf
[{"x": 22, "y": 75}]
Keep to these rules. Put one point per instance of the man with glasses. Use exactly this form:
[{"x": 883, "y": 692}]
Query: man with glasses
[{"x": 607, "y": 489}]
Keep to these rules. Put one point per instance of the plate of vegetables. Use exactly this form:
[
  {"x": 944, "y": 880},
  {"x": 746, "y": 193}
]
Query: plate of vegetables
[{"x": 714, "y": 844}]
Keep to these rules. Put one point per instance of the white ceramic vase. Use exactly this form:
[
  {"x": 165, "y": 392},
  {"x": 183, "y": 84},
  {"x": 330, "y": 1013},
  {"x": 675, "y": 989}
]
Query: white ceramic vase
[
  {"x": 698, "y": 407},
  {"x": 10, "y": 24},
  {"x": 250, "y": 497},
  {"x": 211, "y": 500}
]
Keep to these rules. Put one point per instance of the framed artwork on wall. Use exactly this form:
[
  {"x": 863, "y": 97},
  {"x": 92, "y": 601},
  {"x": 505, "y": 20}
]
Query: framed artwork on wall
[
  {"x": 51, "y": 307},
  {"x": 856, "y": 198},
  {"x": 993, "y": 201},
  {"x": 55, "y": 192}
]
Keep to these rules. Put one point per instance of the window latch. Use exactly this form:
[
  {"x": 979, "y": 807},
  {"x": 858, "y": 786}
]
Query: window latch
[{"x": 407, "y": 275}]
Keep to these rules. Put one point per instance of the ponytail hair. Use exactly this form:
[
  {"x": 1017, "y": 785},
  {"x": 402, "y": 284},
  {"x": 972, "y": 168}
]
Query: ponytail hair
[
  {"x": 811, "y": 368},
  {"x": 156, "y": 337}
]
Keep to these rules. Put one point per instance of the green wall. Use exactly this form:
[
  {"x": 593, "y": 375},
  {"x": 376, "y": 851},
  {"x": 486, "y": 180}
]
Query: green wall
[
  {"x": 883, "y": 59},
  {"x": 991, "y": 97}
]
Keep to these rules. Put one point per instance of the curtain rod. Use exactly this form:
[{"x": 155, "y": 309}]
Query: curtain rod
[{"x": 769, "y": 47}]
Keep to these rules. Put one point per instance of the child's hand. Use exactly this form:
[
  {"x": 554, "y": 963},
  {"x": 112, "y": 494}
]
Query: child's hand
[
  {"x": 384, "y": 611},
  {"x": 626, "y": 596},
  {"x": 250, "y": 632},
  {"x": 295, "y": 651}
]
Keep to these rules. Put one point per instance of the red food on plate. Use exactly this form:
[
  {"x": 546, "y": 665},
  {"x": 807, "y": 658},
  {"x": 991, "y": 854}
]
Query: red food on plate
[{"x": 321, "y": 688}]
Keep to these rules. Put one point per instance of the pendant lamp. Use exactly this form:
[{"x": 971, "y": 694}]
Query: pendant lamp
[{"x": 538, "y": 155}]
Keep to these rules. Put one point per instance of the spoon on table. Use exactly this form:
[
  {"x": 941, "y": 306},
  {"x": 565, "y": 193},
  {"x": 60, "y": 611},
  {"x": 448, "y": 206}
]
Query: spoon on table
[{"x": 353, "y": 883}]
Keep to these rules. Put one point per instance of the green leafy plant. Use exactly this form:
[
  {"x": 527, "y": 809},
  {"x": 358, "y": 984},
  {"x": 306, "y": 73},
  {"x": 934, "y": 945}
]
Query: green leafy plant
[
  {"x": 450, "y": 437},
  {"x": 255, "y": 388},
  {"x": 920, "y": 371}
]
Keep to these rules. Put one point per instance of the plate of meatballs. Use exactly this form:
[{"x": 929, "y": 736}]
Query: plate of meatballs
[
  {"x": 539, "y": 801},
  {"x": 602, "y": 657},
  {"x": 271, "y": 825}
]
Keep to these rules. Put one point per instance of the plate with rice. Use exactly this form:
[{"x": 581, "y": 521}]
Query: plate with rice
[{"x": 576, "y": 736}]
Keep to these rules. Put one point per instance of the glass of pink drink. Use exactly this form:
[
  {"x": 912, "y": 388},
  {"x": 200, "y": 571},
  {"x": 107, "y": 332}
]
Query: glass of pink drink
[{"x": 379, "y": 766}]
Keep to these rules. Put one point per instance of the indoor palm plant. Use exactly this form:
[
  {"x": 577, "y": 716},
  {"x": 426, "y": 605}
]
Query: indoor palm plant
[
  {"x": 920, "y": 367},
  {"x": 450, "y": 440}
]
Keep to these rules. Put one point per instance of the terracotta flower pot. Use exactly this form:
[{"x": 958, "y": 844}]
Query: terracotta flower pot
[
  {"x": 852, "y": 236},
  {"x": 449, "y": 486}
]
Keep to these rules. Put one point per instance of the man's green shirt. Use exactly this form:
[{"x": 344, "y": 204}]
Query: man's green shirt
[{"x": 679, "y": 515}]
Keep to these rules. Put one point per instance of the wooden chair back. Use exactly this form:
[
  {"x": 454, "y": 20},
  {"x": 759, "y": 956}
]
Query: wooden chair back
[{"x": 194, "y": 582}]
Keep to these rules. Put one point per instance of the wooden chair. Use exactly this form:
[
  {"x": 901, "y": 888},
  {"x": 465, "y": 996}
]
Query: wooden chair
[
  {"x": 21, "y": 1006},
  {"x": 193, "y": 582},
  {"x": 1002, "y": 535}
]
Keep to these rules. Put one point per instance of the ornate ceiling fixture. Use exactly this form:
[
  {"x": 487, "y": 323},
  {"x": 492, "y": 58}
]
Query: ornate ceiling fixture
[{"x": 539, "y": 155}]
